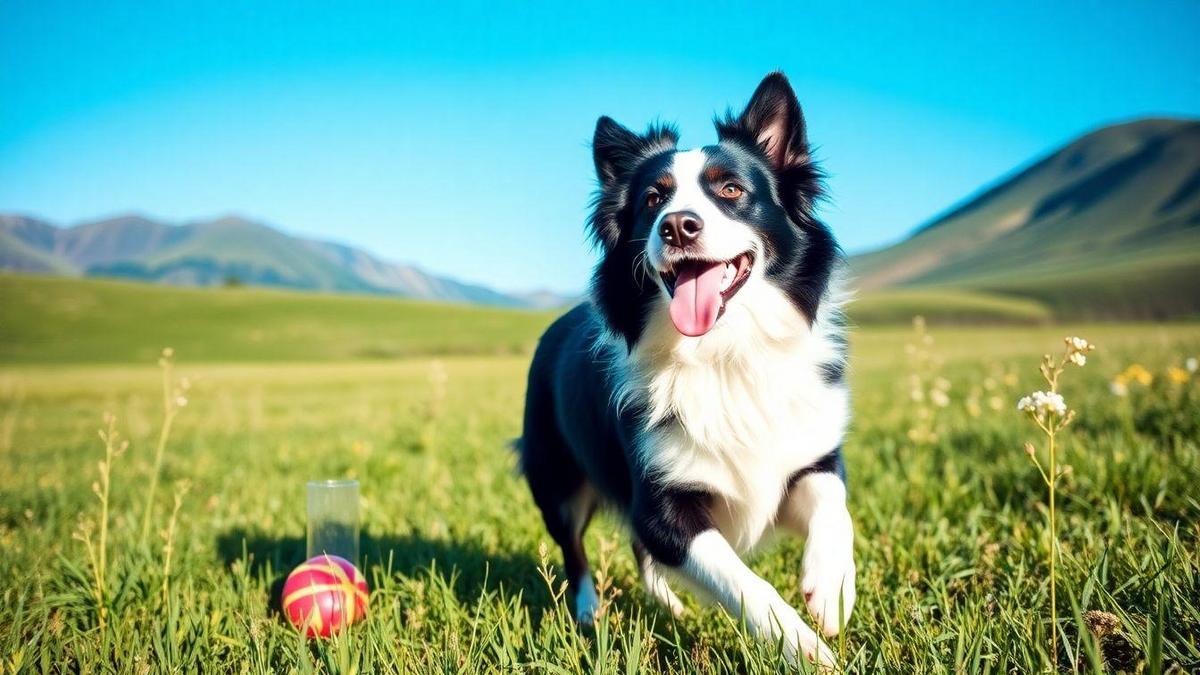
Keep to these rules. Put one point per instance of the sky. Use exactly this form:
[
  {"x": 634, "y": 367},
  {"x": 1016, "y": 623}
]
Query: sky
[{"x": 456, "y": 135}]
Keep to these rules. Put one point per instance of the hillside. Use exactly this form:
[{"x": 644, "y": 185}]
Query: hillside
[
  {"x": 46, "y": 319},
  {"x": 1106, "y": 227},
  {"x": 222, "y": 251}
]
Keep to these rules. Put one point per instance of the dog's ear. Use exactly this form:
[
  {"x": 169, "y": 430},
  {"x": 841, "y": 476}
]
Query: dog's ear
[
  {"x": 617, "y": 152},
  {"x": 773, "y": 121},
  {"x": 614, "y": 148}
]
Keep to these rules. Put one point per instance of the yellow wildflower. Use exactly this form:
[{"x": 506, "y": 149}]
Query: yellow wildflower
[{"x": 1138, "y": 373}]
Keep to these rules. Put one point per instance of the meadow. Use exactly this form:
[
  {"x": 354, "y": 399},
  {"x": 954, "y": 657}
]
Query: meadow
[{"x": 951, "y": 524}]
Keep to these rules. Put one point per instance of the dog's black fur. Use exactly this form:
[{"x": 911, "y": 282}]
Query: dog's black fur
[{"x": 582, "y": 426}]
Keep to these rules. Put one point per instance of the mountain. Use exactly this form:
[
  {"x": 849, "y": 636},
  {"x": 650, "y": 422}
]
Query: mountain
[
  {"x": 229, "y": 250},
  {"x": 1106, "y": 227}
]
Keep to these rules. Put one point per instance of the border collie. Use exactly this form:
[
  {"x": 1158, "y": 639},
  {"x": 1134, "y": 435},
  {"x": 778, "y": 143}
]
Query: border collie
[{"x": 700, "y": 392}]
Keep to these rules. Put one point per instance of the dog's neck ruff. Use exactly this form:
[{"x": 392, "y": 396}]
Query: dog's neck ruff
[{"x": 739, "y": 410}]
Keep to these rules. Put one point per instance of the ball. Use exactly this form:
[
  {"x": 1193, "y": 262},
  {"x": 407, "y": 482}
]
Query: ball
[{"x": 324, "y": 595}]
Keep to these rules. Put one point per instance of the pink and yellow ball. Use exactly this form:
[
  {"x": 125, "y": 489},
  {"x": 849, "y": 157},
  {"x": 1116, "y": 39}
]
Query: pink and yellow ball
[{"x": 324, "y": 595}]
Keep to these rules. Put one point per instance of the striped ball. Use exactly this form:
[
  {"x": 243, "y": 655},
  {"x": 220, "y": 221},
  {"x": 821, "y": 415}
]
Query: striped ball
[{"x": 324, "y": 595}]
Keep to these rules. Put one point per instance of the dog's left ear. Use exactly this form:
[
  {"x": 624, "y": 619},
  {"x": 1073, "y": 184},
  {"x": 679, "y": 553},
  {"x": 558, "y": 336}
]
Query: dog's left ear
[{"x": 773, "y": 121}]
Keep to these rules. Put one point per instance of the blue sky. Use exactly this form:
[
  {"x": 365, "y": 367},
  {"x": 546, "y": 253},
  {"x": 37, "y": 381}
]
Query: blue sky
[{"x": 456, "y": 137}]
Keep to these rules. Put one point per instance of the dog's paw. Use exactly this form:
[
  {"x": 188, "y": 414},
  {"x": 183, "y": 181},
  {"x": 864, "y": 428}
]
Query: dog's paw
[
  {"x": 587, "y": 603},
  {"x": 799, "y": 640},
  {"x": 656, "y": 585},
  {"x": 667, "y": 598},
  {"x": 828, "y": 586}
]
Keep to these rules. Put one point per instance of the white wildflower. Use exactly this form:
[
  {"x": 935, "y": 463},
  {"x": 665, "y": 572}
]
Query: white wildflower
[
  {"x": 1041, "y": 403},
  {"x": 939, "y": 398},
  {"x": 1078, "y": 344},
  {"x": 1052, "y": 402},
  {"x": 1118, "y": 388},
  {"x": 1192, "y": 364},
  {"x": 1077, "y": 358}
]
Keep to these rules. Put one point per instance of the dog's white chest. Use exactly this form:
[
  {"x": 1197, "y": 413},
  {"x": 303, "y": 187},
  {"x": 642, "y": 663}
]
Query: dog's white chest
[
  {"x": 739, "y": 424},
  {"x": 744, "y": 444}
]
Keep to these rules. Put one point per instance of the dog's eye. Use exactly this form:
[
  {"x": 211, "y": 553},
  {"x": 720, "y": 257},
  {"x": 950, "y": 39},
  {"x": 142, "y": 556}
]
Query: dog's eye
[
  {"x": 653, "y": 199},
  {"x": 731, "y": 191}
]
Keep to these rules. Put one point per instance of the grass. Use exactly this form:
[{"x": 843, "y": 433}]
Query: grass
[
  {"x": 56, "y": 320},
  {"x": 950, "y": 534},
  {"x": 1147, "y": 288},
  {"x": 945, "y": 306},
  {"x": 85, "y": 321}
]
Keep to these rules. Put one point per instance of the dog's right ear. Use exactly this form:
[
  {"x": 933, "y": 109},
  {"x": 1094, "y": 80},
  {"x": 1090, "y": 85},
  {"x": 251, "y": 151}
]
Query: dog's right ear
[
  {"x": 614, "y": 149},
  {"x": 617, "y": 152}
]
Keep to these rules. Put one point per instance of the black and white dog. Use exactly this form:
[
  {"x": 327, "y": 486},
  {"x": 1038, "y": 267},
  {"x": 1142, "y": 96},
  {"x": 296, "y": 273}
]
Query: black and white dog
[{"x": 700, "y": 392}]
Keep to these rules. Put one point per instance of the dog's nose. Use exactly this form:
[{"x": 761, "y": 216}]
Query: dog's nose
[{"x": 680, "y": 228}]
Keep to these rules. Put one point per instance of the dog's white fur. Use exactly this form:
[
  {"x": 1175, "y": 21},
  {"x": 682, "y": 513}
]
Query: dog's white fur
[
  {"x": 752, "y": 409},
  {"x": 817, "y": 511},
  {"x": 712, "y": 564},
  {"x": 658, "y": 588},
  {"x": 723, "y": 237}
]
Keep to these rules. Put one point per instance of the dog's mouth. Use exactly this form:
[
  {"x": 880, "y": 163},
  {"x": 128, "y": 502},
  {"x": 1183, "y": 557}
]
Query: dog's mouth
[{"x": 699, "y": 290}]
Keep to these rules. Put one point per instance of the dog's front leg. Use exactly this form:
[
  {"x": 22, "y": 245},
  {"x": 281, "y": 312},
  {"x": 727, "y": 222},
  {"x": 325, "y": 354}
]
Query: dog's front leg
[
  {"x": 815, "y": 506},
  {"x": 677, "y": 530}
]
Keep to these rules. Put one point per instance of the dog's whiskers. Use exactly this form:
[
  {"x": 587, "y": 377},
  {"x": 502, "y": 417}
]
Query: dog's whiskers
[{"x": 641, "y": 268}]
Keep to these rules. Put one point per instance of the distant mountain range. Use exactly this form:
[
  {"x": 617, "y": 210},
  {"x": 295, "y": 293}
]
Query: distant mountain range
[
  {"x": 227, "y": 251},
  {"x": 1106, "y": 227}
]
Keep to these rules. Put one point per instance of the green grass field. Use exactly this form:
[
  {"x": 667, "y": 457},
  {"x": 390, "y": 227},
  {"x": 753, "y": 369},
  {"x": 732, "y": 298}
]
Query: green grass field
[
  {"x": 57, "y": 320},
  {"x": 950, "y": 541},
  {"x": 62, "y": 320}
]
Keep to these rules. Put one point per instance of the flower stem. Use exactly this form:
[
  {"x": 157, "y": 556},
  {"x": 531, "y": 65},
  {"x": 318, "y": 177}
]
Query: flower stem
[
  {"x": 164, "y": 433},
  {"x": 1053, "y": 557}
]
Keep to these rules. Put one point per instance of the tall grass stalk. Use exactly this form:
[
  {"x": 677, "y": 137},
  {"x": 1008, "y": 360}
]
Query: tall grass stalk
[
  {"x": 173, "y": 400},
  {"x": 169, "y": 544},
  {"x": 97, "y": 550}
]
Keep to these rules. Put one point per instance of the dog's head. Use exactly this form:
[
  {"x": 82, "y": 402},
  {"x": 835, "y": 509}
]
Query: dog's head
[{"x": 697, "y": 231}]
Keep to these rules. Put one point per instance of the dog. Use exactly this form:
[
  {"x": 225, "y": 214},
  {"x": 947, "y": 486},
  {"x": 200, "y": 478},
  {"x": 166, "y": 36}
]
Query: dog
[{"x": 700, "y": 391}]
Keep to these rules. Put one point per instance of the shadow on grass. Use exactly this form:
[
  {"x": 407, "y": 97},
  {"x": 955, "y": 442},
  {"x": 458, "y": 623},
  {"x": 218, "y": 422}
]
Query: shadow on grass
[{"x": 466, "y": 566}]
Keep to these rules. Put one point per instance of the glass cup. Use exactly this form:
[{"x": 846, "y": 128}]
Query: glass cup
[{"x": 333, "y": 519}]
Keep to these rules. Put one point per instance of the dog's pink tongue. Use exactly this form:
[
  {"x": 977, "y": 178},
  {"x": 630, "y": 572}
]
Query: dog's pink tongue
[{"x": 697, "y": 299}]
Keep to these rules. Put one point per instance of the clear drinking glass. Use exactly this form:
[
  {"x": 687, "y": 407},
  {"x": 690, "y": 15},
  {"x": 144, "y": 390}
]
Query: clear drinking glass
[{"x": 333, "y": 518}]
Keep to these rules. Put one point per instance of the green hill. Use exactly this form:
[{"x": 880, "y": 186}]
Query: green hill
[
  {"x": 61, "y": 320},
  {"x": 945, "y": 306},
  {"x": 1106, "y": 227}
]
